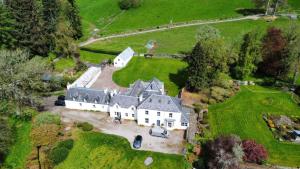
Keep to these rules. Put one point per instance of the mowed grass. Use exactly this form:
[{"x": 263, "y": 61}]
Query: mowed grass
[
  {"x": 183, "y": 39},
  {"x": 106, "y": 15},
  {"x": 170, "y": 71},
  {"x": 242, "y": 115},
  {"x": 95, "y": 150},
  {"x": 21, "y": 148}
]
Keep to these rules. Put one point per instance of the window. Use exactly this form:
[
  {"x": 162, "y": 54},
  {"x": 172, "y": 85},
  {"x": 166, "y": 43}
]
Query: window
[
  {"x": 170, "y": 115},
  {"x": 80, "y": 104},
  {"x": 146, "y": 120},
  {"x": 169, "y": 124},
  {"x": 183, "y": 124},
  {"x": 132, "y": 115},
  {"x": 94, "y": 106},
  {"x": 158, "y": 113},
  {"x": 126, "y": 114},
  {"x": 132, "y": 108},
  {"x": 146, "y": 112}
]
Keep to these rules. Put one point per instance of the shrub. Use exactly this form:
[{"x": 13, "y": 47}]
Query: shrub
[
  {"x": 223, "y": 152},
  {"x": 66, "y": 144},
  {"x": 85, "y": 126},
  {"x": 46, "y": 118},
  {"x": 127, "y": 4},
  {"x": 58, "y": 154},
  {"x": 254, "y": 152}
]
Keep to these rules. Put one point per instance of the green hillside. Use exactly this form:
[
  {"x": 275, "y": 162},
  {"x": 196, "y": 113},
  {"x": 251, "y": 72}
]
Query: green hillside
[{"x": 98, "y": 13}]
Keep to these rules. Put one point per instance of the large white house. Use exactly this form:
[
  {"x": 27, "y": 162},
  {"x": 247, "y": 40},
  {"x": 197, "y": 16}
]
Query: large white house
[
  {"x": 145, "y": 102},
  {"x": 123, "y": 58}
]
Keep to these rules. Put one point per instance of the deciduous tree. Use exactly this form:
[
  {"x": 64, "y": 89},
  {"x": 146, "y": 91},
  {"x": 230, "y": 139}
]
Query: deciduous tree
[
  {"x": 254, "y": 152},
  {"x": 249, "y": 55}
]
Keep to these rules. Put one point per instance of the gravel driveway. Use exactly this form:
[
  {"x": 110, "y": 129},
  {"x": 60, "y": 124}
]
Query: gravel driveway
[
  {"x": 128, "y": 129},
  {"x": 105, "y": 81}
]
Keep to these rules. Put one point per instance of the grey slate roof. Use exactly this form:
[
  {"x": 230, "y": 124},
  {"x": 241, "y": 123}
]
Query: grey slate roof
[
  {"x": 88, "y": 95},
  {"x": 185, "y": 115},
  {"x": 124, "y": 101},
  {"x": 161, "y": 103},
  {"x": 147, "y": 88}
]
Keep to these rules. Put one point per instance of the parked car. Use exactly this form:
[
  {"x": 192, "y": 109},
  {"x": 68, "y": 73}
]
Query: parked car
[
  {"x": 61, "y": 97},
  {"x": 159, "y": 132},
  {"x": 59, "y": 103},
  {"x": 137, "y": 143}
]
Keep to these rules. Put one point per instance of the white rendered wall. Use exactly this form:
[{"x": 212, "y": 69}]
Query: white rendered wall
[
  {"x": 86, "y": 106},
  {"x": 126, "y": 113},
  {"x": 152, "y": 116}
]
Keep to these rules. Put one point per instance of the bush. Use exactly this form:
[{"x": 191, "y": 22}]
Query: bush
[
  {"x": 254, "y": 152},
  {"x": 46, "y": 118},
  {"x": 66, "y": 144},
  {"x": 127, "y": 4},
  {"x": 85, "y": 126},
  {"x": 58, "y": 154}
]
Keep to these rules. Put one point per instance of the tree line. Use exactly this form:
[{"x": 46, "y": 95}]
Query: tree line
[{"x": 274, "y": 54}]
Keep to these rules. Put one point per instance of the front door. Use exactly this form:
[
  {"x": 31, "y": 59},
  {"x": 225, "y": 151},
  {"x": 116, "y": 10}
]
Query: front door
[{"x": 158, "y": 122}]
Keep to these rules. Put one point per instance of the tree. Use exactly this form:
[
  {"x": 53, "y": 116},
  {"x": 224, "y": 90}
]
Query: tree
[
  {"x": 249, "y": 55},
  {"x": 29, "y": 31},
  {"x": 293, "y": 40},
  {"x": 51, "y": 10},
  {"x": 73, "y": 17},
  {"x": 6, "y": 139},
  {"x": 20, "y": 78},
  {"x": 275, "y": 60},
  {"x": 269, "y": 5},
  {"x": 206, "y": 61},
  {"x": 6, "y": 28},
  {"x": 254, "y": 152},
  {"x": 224, "y": 152}
]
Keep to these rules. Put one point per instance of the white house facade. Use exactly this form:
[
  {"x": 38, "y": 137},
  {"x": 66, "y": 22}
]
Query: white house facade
[
  {"x": 145, "y": 102},
  {"x": 123, "y": 58}
]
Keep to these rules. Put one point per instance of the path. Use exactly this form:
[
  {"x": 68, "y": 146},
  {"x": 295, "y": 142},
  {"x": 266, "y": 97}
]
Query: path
[{"x": 180, "y": 25}]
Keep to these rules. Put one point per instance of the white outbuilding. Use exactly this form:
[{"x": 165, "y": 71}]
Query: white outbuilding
[{"x": 123, "y": 58}]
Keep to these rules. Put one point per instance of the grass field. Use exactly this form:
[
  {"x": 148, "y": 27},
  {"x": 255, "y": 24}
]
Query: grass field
[
  {"x": 242, "y": 115},
  {"x": 96, "y": 150},
  {"x": 21, "y": 148},
  {"x": 106, "y": 13},
  {"x": 166, "y": 70},
  {"x": 183, "y": 39}
]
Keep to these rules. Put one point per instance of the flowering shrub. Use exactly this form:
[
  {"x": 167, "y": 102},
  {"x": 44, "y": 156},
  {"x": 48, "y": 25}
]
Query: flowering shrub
[{"x": 254, "y": 152}]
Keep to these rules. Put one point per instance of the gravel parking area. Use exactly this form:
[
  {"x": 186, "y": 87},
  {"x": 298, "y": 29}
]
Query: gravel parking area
[
  {"x": 128, "y": 129},
  {"x": 105, "y": 81}
]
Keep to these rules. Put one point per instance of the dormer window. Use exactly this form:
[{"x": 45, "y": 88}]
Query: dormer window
[
  {"x": 74, "y": 99},
  {"x": 84, "y": 100},
  {"x": 169, "y": 102},
  {"x": 159, "y": 101},
  {"x": 146, "y": 112},
  {"x": 150, "y": 100}
]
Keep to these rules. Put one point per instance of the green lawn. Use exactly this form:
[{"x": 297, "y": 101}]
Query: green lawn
[
  {"x": 183, "y": 39},
  {"x": 166, "y": 70},
  {"x": 242, "y": 115},
  {"x": 21, "y": 148},
  {"x": 95, "y": 150},
  {"x": 152, "y": 13}
]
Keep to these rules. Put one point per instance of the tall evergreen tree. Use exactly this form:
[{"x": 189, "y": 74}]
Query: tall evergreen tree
[
  {"x": 51, "y": 10},
  {"x": 249, "y": 56},
  {"x": 72, "y": 14},
  {"x": 6, "y": 28},
  {"x": 29, "y": 31}
]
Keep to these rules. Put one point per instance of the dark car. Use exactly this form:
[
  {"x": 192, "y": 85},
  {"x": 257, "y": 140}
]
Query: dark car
[
  {"x": 61, "y": 97},
  {"x": 59, "y": 103},
  {"x": 137, "y": 143}
]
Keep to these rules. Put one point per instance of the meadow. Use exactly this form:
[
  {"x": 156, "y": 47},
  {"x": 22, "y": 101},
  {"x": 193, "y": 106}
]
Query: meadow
[{"x": 243, "y": 115}]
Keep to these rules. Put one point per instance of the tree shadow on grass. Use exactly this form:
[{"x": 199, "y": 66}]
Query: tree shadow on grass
[
  {"x": 245, "y": 11},
  {"x": 179, "y": 78},
  {"x": 100, "y": 51}
]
